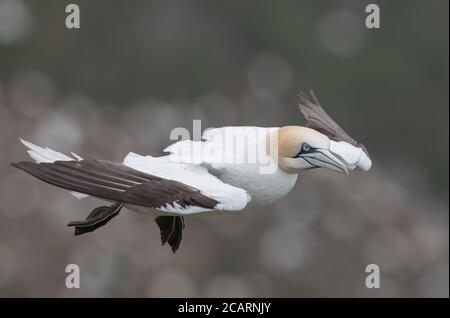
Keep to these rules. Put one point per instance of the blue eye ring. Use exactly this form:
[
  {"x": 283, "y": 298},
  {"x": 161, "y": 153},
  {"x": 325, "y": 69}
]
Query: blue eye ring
[{"x": 305, "y": 148}]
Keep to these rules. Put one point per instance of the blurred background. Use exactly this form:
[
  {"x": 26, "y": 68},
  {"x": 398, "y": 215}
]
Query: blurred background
[{"x": 137, "y": 69}]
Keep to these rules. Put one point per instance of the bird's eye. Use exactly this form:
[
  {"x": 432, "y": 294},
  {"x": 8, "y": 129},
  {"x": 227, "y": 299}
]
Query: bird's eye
[{"x": 306, "y": 147}]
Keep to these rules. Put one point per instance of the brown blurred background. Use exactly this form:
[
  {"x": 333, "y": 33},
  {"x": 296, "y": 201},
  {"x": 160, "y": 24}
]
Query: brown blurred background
[{"x": 137, "y": 69}]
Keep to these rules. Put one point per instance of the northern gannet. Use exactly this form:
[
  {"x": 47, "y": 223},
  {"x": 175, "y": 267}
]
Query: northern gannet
[{"x": 229, "y": 169}]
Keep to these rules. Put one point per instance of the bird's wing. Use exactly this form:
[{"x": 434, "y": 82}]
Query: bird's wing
[
  {"x": 229, "y": 198},
  {"x": 318, "y": 119},
  {"x": 118, "y": 182},
  {"x": 223, "y": 146}
]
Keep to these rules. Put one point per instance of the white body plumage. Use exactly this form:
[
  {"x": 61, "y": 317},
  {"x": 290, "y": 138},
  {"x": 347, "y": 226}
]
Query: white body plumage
[{"x": 204, "y": 165}]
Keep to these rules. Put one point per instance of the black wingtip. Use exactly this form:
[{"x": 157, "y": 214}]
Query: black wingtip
[
  {"x": 314, "y": 97},
  {"x": 309, "y": 97},
  {"x": 16, "y": 165},
  {"x": 24, "y": 165}
]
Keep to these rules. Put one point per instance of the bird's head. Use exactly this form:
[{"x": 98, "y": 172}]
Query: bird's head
[
  {"x": 321, "y": 144},
  {"x": 302, "y": 148}
]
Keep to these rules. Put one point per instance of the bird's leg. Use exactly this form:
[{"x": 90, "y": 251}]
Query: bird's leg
[
  {"x": 97, "y": 218},
  {"x": 171, "y": 228}
]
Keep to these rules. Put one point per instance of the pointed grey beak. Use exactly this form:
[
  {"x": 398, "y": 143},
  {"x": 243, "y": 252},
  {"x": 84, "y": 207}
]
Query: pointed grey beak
[{"x": 324, "y": 158}]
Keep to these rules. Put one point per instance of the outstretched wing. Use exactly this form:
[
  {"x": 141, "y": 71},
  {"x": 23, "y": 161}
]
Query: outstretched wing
[
  {"x": 117, "y": 182},
  {"x": 318, "y": 119}
]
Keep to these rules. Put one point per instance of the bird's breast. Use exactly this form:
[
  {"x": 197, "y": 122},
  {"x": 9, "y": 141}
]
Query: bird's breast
[{"x": 263, "y": 188}]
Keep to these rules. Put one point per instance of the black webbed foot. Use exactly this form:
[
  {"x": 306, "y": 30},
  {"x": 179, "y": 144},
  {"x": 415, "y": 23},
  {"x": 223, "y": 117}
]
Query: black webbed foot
[
  {"x": 97, "y": 218},
  {"x": 171, "y": 228}
]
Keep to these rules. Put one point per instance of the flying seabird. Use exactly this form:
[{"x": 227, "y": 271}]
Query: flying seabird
[{"x": 197, "y": 177}]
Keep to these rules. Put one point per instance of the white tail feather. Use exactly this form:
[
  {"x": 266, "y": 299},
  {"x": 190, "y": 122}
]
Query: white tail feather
[{"x": 40, "y": 154}]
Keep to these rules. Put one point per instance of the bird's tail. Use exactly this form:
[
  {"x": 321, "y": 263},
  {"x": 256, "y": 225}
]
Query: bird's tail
[{"x": 39, "y": 155}]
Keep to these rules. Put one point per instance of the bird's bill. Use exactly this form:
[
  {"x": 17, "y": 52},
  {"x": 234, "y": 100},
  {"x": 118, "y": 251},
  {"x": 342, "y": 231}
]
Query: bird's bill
[{"x": 325, "y": 159}]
